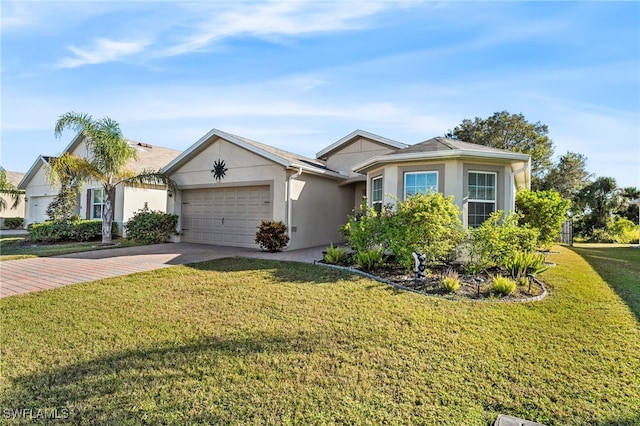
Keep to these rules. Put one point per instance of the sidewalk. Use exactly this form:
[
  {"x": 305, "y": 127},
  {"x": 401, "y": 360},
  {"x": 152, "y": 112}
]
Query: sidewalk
[{"x": 44, "y": 273}]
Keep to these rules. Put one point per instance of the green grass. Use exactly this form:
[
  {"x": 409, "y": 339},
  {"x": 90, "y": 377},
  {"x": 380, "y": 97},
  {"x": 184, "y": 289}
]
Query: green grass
[
  {"x": 619, "y": 266},
  {"x": 238, "y": 341},
  {"x": 13, "y": 248}
]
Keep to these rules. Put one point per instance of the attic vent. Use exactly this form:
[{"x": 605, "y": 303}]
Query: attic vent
[{"x": 144, "y": 145}]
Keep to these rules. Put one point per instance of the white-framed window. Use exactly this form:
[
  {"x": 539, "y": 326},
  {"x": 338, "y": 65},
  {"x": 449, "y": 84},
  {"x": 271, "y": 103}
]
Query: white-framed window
[
  {"x": 97, "y": 203},
  {"x": 482, "y": 197},
  {"x": 376, "y": 193},
  {"x": 417, "y": 182}
]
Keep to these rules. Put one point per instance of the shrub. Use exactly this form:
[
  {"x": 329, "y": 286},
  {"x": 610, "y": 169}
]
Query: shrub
[
  {"x": 503, "y": 286},
  {"x": 522, "y": 264},
  {"x": 13, "y": 222},
  {"x": 622, "y": 231},
  {"x": 62, "y": 208},
  {"x": 272, "y": 236},
  {"x": 428, "y": 223},
  {"x": 451, "y": 281},
  {"x": 151, "y": 226},
  {"x": 369, "y": 259},
  {"x": 365, "y": 230},
  {"x": 335, "y": 255},
  {"x": 497, "y": 240},
  {"x": 80, "y": 230},
  {"x": 544, "y": 211}
]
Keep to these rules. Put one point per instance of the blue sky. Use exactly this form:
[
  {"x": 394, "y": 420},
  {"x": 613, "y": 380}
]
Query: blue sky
[{"x": 301, "y": 75}]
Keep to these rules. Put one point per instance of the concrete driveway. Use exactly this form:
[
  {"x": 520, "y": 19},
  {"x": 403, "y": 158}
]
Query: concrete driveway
[{"x": 44, "y": 273}]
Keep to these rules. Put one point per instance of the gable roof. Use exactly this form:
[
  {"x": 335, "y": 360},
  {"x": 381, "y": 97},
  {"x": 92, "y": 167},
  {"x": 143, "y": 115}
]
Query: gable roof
[
  {"x": 14, "y": 177},
  {"x": 358, "y": 134},
  {"x": 40, "y": 161},
  {"x": 284, "y": 158},
  {"x": 149, "y": 157},
  {"x": 442, "y": 148}
]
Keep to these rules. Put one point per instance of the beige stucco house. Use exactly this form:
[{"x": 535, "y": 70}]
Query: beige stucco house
[
  {"x": 229, "y": 184},
  {"x": 481, "y": 179},
  {"x": 129, "y": 199},
  {"x": 17, "y": 211},
  {"x": 313, "y": 196}
]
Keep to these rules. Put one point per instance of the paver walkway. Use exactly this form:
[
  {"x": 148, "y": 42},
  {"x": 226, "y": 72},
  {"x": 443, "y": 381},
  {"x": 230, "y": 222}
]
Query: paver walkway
[{"x": 43, "y": 273}]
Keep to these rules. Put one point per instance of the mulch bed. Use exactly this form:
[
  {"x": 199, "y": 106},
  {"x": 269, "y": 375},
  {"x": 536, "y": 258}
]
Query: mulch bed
[{"x": 473, "y": 287}]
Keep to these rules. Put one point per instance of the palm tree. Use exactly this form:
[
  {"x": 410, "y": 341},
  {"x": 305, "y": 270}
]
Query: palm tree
[
  {"x": 109, "y": 155},
  {"x": 8, "y": 188}
]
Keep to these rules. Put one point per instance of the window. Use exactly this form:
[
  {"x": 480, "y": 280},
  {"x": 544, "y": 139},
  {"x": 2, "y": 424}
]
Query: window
[
  {"x": 97, "y": 203},
  {"x": 376, "y": 194},
  {"x": 482, "y": 197},
  {"x": 416, "y": 182}
]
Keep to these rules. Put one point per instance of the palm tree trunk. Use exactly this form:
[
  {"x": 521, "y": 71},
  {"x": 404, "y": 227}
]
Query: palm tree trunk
[{"x": 107, "y": 215}]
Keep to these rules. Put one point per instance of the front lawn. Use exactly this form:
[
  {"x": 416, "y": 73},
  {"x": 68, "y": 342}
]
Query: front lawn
[
  {"x": 619, "y": 266},
  {"x": 238, "y": 341},
  {"x": 18, "y": 247}
]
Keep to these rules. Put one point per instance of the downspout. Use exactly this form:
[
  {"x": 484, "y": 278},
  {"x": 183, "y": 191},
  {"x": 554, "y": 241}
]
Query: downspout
[{"x": 289, "y": 203}]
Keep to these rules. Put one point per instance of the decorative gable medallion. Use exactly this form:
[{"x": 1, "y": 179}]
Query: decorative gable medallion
[{"x": 219, "y": 170}]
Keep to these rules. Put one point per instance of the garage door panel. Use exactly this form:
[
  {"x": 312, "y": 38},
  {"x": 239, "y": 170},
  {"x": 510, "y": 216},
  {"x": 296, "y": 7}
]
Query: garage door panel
[{"x": 225, "y": 216}]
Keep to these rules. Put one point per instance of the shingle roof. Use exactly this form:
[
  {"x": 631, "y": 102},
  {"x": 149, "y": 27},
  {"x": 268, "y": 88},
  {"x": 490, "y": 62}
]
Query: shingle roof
[
  {"x": 286, "y": 155},
  {"x": 14, "y": 177},
  {"x": 445, "y": 144},
  {"x": 150, "y": 156}
]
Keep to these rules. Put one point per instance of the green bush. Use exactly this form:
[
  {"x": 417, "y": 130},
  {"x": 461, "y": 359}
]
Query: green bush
[
  {"x": 80, "y": 230},
  {"x": 544, "y": 211},
  {"x": 151, "y": 226},
  {"x": 13, "y": 222},
  {"x": 369, "y": 260},
  {"x": 522, "y": 264},
  {"x": 335, "y": 255},
  {"x": 451, "y": 281},
  {"x": 622, "y": 231},
  {"x": 365, "y": 230},
  {"x": 272, "y": 236},
  {"x": 503, "y": 286},
  {"x": 497, "y": 240},
  {"x": 428, "y": 223}
]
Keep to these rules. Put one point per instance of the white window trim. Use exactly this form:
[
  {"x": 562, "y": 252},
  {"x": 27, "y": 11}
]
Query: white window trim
[
  {"x": 495, "y": 190},
  {"x": 373, "y": 201},
  {"x": 93, "y": 203},
  {"x": 418, "y": 173}
]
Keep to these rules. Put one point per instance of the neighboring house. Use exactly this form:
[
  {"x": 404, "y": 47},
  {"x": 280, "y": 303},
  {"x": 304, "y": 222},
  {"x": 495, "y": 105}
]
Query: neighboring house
[
  {"x": 482, "y": 180},
  {"x": 258, "y": 182},
  {"x": 129, "y": 199},
  {"x": 18, "y": 211}
]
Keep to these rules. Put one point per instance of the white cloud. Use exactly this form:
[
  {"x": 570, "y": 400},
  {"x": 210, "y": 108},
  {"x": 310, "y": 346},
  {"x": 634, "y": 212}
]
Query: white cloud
[
  {"x": 273, "y": 20},
  {"x": 103, "y": 50}
]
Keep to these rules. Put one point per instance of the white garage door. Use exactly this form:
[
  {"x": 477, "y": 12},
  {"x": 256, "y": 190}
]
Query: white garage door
[
  {"x": 38, "y": 208},
  {"x": 224, "y": 216}
]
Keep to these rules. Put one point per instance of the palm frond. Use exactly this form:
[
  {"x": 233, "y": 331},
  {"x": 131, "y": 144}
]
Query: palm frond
[
  {"x": 8, "y": 188},
  {"x": 68, "y": 169},
  {"x": 149, "y": 178},
  {"x": 79, "y": 122}
]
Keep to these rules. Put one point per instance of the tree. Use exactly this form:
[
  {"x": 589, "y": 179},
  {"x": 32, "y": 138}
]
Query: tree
[
  {"x": 69, "y": 171},
  {"x": 597, "y": 201},
  {"x": 107, "y": 163},
  {"x": 627, "y": 208},
  {"x": 568, "y": 176},
  {"x": 9, "y": 189},
  {"x": 511, "y": 132},
  {"x": 544, "y": 211}
]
